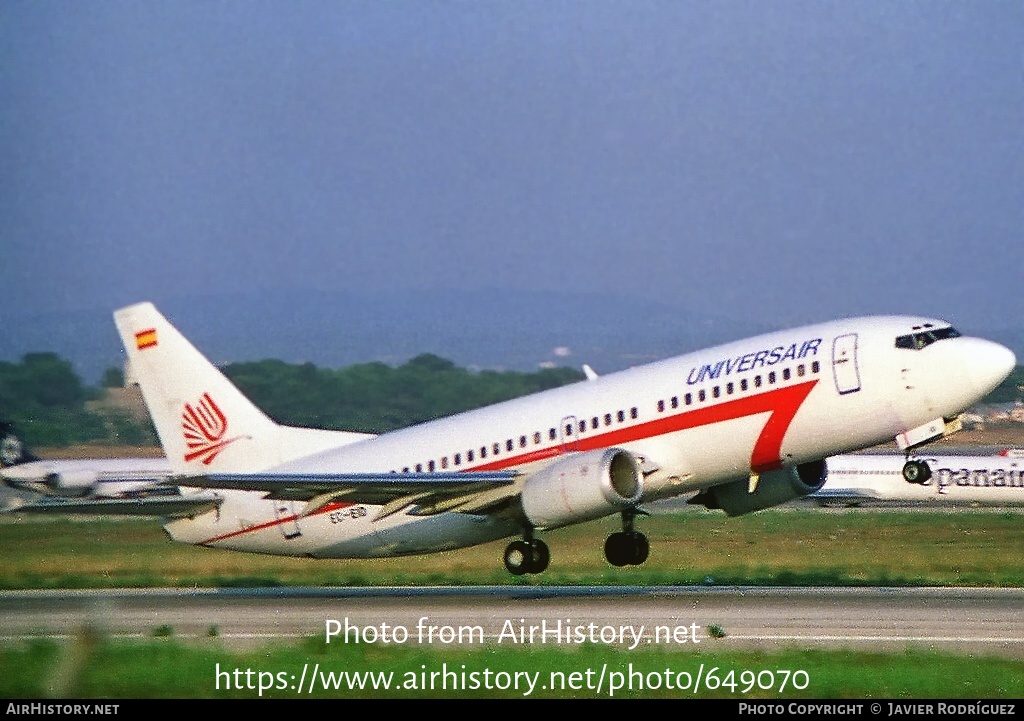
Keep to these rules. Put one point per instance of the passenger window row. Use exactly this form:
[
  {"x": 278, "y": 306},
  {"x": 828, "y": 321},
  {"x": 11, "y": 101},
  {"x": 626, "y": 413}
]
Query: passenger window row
[
  {"x": 744, "y": 385},
  {"x": 574, "y": 429},
  {"x": 571, "y": 431}
]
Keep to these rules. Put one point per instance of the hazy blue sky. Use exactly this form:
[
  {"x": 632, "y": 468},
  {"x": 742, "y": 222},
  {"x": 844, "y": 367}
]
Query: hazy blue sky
[{"x": 783, "y": 161}]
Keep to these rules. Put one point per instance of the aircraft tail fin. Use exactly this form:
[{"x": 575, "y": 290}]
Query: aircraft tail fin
[
  {"x": 204, "y": 422},
  {"x": 12, "y": 450}
]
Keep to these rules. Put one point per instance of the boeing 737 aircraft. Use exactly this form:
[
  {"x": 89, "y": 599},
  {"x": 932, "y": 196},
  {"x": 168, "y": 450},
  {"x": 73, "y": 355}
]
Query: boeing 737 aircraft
[
  {"x": 747, "y": 424},
  {"x": 996, "y": 480}
]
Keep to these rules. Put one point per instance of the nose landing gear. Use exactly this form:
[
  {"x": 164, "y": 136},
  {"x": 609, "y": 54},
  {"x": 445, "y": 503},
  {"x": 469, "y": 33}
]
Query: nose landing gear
[{"x": 917, "y": 472}]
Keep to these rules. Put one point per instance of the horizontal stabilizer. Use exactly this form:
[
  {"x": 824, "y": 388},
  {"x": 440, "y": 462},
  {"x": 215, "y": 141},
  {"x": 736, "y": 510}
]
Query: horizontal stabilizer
[{"x": 176, "y": 507}]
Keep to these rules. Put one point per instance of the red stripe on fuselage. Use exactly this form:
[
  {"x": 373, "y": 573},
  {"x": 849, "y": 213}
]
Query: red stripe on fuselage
[
  {"x": 782, "y": 403},
  {"x": 326, "y": 508}
]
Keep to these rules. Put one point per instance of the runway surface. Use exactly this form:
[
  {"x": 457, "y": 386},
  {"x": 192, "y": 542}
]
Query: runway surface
[{"x": 962, "y": 620}]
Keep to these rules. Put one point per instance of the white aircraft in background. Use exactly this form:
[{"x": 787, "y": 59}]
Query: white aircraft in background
[
  {"x": 996, "y": 480},
  {"x": 93, "y": 478},
  {"x": 124, "y": 486},
  {"x": 747, "y": 424}
]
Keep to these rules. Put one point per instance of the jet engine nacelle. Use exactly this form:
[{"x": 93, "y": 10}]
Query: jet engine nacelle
[
  {"x": 773, "y": 488},
  {"x": 72, "y": 483},
  {"x": 582, "y": 487}
]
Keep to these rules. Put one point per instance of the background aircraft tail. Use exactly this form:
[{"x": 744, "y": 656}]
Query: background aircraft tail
[
  {"x": 12, "y": 449},
  {"x": 204, "y": 422}
]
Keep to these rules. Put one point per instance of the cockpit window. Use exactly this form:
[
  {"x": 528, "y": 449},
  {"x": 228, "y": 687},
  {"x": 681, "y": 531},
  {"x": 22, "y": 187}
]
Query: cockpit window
[{"x": 920, "y": 339}]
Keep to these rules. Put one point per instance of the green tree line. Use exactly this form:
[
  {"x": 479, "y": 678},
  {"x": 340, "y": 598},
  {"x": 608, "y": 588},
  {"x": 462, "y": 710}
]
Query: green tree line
[
  {"x": 375, "y": 397},
  {"x": 46, "y": 399}
]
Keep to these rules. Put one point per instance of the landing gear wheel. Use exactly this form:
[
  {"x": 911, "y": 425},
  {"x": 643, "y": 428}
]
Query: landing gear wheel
[
  {"x": 530, "y": 556},
  {"x": 540, "y": 556},
  {"x": 916, "y": 472},
  {"x": 639, "y": 546},
  {"x": 616, "y": 550},
  {"x": 518, "y": 558},
  {"x": 627, "y": 548}
]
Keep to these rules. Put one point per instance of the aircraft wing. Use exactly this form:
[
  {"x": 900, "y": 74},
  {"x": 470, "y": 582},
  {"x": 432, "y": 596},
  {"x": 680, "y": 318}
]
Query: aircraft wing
[
  {"x": 428, "y": 493},
  {"x": 155, "y": 506}
]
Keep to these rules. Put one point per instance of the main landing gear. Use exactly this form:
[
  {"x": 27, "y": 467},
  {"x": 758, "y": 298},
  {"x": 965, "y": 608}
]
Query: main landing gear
[
  {"x": 917, "y": 472},
  {"x": 531, "y": 555},
  {"x": 628, "y": 547}
]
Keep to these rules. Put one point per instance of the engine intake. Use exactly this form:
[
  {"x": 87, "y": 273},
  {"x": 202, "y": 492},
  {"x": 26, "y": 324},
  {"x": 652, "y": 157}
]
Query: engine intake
[
  {"x": 582, "y": 487},
  {"x": 774, "y": 488}
]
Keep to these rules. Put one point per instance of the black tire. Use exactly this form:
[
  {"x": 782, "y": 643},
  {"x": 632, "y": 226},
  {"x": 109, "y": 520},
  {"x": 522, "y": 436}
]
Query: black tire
[
  {"x": 617, "y": 549},
  {"x": 916, "y": 472},
  {"x": 540, "y": 556},
  {"x": 639, "y": 548},
  {"x": 518, "y": 558}
]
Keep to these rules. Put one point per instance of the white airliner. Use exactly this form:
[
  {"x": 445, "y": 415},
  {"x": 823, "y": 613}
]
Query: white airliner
[
  {"x": 747, "y": 424},
  {"x": 996, "y": 480},
  {"x": 79, "y": 478},
  {"x": 125, "y": 482}
]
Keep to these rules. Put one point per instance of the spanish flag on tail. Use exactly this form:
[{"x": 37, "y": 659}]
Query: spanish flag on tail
[{"x": 145, "y": 339}]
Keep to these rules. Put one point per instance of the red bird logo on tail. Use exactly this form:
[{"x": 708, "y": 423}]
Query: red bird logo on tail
[{"x": 204, "y": 426}]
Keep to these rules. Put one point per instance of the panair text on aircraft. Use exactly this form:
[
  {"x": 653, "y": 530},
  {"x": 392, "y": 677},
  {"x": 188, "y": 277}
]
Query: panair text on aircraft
[
  {"x": 752, "y": 361},
  {"x": 746, "y": 425},
  {"x": 943, "y": 478},
  {"x": 996, "y": 480}
]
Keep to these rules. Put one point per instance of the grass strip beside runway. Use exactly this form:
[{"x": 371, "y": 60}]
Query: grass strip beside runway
[
  {"x": 776, "y": 547},
  {"x": 162, "y": 668}
]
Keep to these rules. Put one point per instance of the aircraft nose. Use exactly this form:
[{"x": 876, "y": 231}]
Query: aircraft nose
[{"x": 988, "y": 364}]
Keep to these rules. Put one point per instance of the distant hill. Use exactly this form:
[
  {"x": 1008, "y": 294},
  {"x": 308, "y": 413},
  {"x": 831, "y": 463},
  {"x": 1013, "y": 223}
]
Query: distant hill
[{"x": 516, "y": 330}]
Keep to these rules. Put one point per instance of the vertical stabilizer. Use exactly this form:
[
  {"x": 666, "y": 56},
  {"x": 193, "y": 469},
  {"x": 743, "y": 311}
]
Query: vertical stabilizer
[
  {"x": 12, "y": 449},
  {"x": 204, "y": 422}
]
